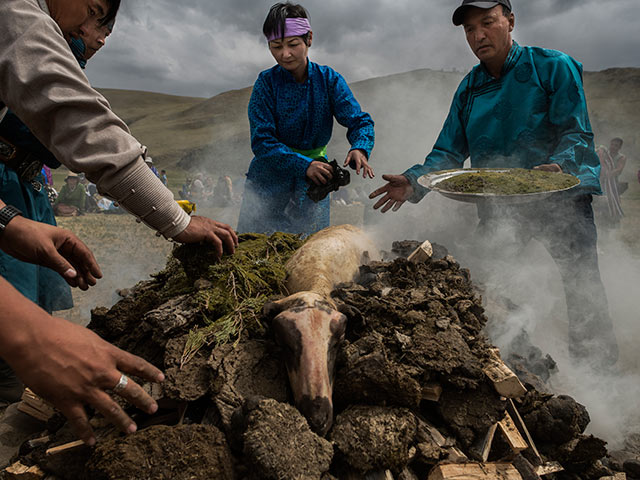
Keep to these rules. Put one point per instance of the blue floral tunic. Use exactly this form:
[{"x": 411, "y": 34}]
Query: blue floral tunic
[{"x": 286, "y": 118}]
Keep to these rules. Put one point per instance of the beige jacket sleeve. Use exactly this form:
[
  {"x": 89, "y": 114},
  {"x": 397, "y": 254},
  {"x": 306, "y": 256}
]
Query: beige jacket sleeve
[{"x": 41, "y": 81}]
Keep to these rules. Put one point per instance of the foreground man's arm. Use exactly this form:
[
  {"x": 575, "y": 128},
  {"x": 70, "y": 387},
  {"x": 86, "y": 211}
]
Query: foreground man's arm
[
  {"x": 69, "y": 365},
  {"x": 41, "y": 82}
]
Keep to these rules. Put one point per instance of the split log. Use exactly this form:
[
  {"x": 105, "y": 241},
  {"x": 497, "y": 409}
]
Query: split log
[
  {"x": 617, "y": 476},
  {"x": 524, "y": 431},
  {"x": 455, "y": 455},
  {"x": 549, "y": 468},
  {"x": 432, "y": 392},
  {"x": 18, "y": 471},
  {"x": 525, "y": 469},
  {"x": 504, "y": 380},
  {"x": 482, "y": 450},
  {"x": 427, "y": 433},
  {"x": 511, "y": 434},
  {"x": 475, "y": 471},
  {"x": 421, "y": 254}
]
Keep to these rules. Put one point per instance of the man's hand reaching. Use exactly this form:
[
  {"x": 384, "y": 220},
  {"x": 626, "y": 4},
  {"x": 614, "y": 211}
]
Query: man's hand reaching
[
  {"x": 203, "y": 229},
  {"x": 52, "y": 247}
]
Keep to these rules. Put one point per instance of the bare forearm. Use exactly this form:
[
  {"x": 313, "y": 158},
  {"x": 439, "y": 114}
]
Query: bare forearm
[{"x": 19, "y": 320}]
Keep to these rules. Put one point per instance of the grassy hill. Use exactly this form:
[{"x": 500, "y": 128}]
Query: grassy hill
[{"x": 186, "y": 133}]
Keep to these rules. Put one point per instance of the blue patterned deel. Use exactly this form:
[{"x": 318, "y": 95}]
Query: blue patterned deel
[
  {"x": 285, "y": 116},
  {"x": 535, "y": 113}
]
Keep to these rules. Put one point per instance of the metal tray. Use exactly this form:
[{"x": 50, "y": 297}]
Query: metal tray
[{"x": 431, "y": 181}]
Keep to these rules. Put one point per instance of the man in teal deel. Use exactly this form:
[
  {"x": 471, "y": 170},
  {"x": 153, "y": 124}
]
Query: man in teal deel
[{"x": 525, "y": 107}]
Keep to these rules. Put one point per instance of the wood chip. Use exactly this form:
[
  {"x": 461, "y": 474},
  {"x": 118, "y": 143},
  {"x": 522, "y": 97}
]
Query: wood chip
[
  {"x": 35, "y": 407},
  {"x": 64, "y": 448},
  {"x": 421, "y": 254},
  {"x": 432, "y": 392},
  {"x": 18, "y": 471},
  {"x": 549, "y": 468}
]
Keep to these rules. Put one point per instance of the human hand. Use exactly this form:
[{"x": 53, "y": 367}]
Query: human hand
[
  {"x": 357, "y": 160},
  {"x": 203, "y": 229},
  {"x": 549, "y": 167},
  {"x": 319, "y": 172},
  {"x": 52, "y": 247},
  {"x": 397, "y": 191},
  {"x": 70, "y": 366}
]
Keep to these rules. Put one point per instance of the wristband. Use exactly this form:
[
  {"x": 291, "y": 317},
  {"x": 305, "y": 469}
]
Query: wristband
[{"x": 6, "y": 215}]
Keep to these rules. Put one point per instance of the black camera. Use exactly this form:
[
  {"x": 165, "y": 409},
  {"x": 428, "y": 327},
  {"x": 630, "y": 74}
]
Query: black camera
[{"x": 341, "y": 178}]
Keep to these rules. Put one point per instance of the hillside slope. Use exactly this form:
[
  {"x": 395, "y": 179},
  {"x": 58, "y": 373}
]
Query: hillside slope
[{"x": 408, "y": 108}]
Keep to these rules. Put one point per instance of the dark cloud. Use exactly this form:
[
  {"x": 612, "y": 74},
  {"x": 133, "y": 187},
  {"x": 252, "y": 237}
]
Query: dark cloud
[{"x": 201, "y": 48}]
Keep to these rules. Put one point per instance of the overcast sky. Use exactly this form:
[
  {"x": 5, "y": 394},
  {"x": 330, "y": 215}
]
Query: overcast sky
[{"x": 205, "y": 47}]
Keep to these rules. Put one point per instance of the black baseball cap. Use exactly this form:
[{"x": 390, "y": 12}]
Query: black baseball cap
[{"x": 458, "y": 15}]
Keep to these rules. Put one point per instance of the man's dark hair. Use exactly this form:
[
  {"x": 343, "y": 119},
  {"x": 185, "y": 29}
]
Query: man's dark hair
[
  {"x": 277, "y": 17},
  {"x": 617, "y": 139},
  {"x": 114, "y": 6},
  {"x": 506, "y": 10}
]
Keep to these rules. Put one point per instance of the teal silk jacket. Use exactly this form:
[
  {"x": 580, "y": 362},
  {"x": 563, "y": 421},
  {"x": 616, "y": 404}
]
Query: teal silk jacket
[{"x": 534, "y": 113}]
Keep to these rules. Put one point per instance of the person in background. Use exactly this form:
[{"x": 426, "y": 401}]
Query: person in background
[
  {"x": 71, "y": 199},
  {"x": 291, "y": 114},
  {"x": 612, "y": 163},
  {"x": 223, "y": 192},
  {"x": 149, "y": 162},
  {"x": 163, "y": 177},
  {"x": 525, "y": 107}
]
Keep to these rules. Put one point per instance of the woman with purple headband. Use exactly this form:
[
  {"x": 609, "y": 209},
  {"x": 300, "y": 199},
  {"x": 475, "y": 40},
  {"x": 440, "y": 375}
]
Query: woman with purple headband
[{"x": 291, "y": 113}]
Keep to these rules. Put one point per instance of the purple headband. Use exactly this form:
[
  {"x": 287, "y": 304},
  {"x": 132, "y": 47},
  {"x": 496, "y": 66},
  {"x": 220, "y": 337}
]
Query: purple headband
[{"x": 294, "y": 27}]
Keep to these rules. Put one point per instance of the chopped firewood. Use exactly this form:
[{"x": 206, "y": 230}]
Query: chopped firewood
[
  {"x": 64, "y": 448},
  {"x": 481, "y": 450},
  {"x": 617, "y": 476},
  {"x": 504, "y": 380},
  {"x": 18, "y": 471},
  {"x": 524, "y": 431},
  {"x": 35, "y": 407},
  {"x": 455, "y": 455},
  {"x": 379, "y": 475},
  {"x": 432, "y": 392},
  {"x": 422, "y": 253},
  {"x": 548, "y": 468},
  {"x": 427, "y": 433},
  {"x": 475, "y": 471},
  {"x": 511, "y": 434},
  {"x": 525, "y": 469}
]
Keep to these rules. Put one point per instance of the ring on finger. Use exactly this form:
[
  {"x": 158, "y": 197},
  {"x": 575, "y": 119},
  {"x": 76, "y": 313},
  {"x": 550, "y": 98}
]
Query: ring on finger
[{"x": 122, "y": 384}]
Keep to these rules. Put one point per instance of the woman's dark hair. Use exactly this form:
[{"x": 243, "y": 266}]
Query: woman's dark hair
[
  {"x": 274, "y": 24},
  {"x": 114, "y": 5}
]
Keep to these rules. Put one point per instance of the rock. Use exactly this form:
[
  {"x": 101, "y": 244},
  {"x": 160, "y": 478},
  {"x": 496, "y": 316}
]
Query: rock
[
  {"x": 250, "y": 368},
  {"x": 374, "y": 438},
  {"x": 557, "y": 421},
  {"x": 186, "y": 381},
  {"x": 279, "y": 444},
  {"x": 632, "y": 467},
  {"x": 183, "y": 452}
]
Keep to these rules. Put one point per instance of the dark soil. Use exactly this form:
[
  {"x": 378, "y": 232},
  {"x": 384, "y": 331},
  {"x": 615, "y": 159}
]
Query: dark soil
[{"x": 168, "y": 453}]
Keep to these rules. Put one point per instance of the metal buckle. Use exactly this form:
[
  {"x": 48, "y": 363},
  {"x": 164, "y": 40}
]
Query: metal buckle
[
  {"x": 37, "y": 186},
  {"x": 7, "y": 150}
]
